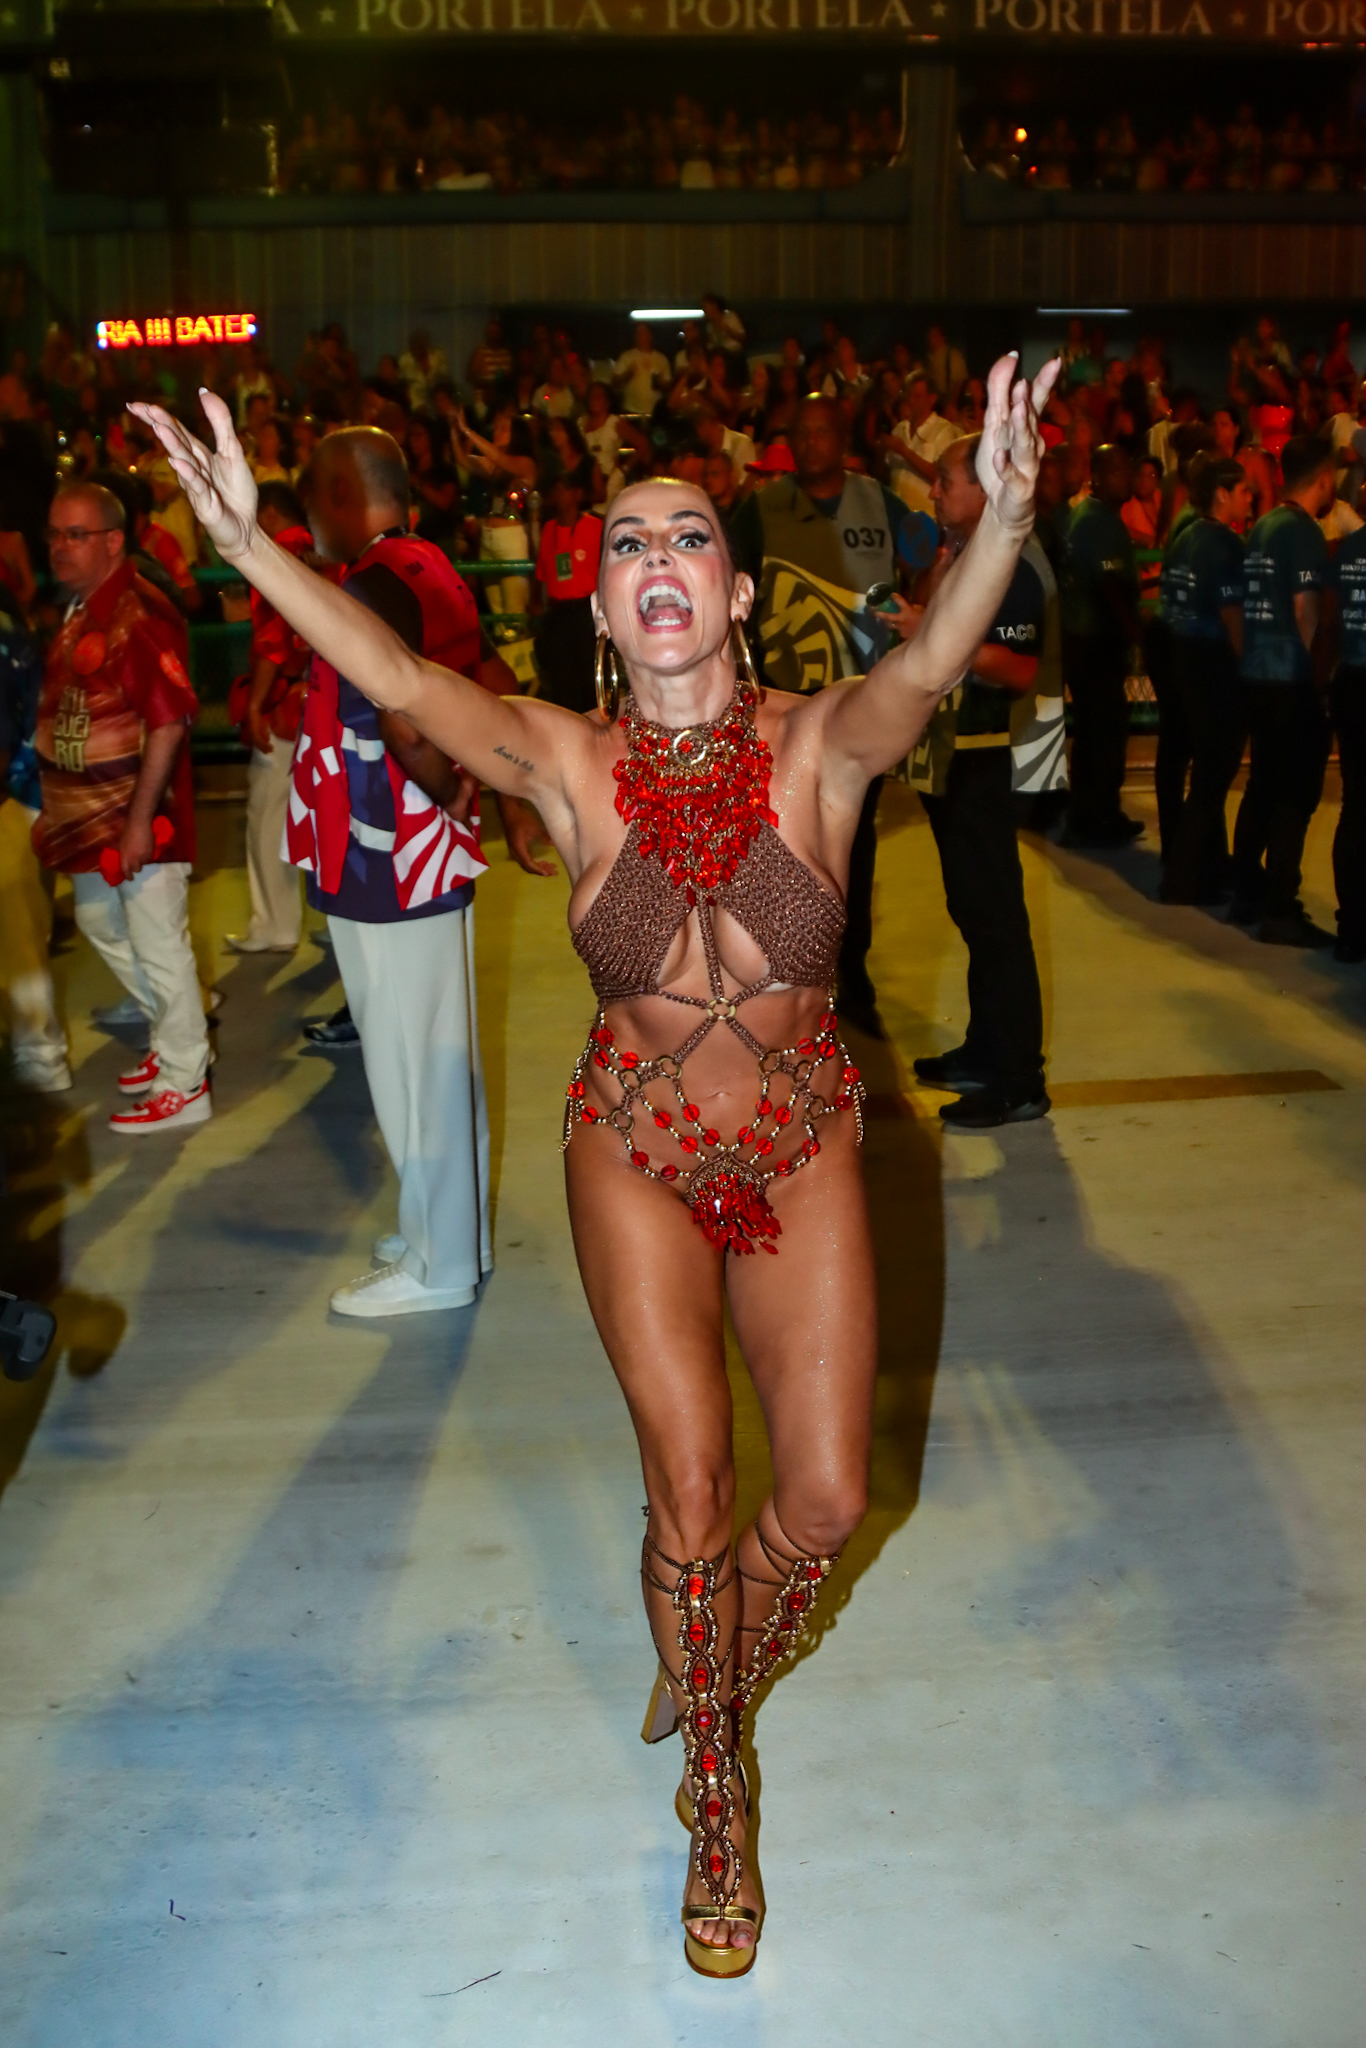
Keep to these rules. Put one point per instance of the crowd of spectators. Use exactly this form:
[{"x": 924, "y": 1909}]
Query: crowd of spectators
[
  {"x": 688, "y": 146},
  {"x": 528, "y": 428},
  {"x": 1155, "y": 154}
]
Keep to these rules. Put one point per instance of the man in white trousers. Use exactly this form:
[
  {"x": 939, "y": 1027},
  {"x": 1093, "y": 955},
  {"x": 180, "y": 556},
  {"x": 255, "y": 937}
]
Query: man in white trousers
[
  {"x": 114, "y": 767},
  {"x": 279, "y": 663},
  {"x": 378, "y": 819}
]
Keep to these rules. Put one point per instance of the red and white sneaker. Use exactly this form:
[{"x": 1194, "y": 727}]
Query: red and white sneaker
[
  {"x": 140, "y": 1078},
  {"x": 167, "y": 1110}
]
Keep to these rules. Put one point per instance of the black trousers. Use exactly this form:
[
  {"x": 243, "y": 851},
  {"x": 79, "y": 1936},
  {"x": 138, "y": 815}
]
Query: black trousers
[
  {"x": 1174, "y": 739},
  {"x": 1349, "y": 841},
  {"x": 1205, "y": 679},
  {"x": 974, "y": 829},
  {"x": 565, "y": 648},
  {"x": 1290, "y": 738},
  {"x": 858, "y": 902},
  {"x": 1094, "y": 670}
]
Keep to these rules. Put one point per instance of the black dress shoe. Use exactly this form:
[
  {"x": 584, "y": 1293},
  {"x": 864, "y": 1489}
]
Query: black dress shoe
[
  {"x": 1351, "y": 952},
  {"x": 1102, "y": 838},
  {"x": 951, "y": 1070},
  {"x": 989, "y": 1108},
  {"x": 1211, "y": 898},
  {"x": 334, "y": 1030},
  {"x": 1294, "y": 929},
  {"x": 1244, "y": 910}
]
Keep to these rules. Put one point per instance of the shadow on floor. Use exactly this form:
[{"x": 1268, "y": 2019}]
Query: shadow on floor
[
  {"x": 1126, "y": 881},
  {"x": 237, "y": 1255},
  {"x": 252, "y": 1761},
  {"x": 1155, "y": 1574}
]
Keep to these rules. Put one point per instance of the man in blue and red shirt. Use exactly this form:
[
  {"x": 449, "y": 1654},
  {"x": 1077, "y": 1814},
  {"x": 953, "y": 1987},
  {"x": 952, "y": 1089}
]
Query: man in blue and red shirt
[{"x": 384, "y": 826}]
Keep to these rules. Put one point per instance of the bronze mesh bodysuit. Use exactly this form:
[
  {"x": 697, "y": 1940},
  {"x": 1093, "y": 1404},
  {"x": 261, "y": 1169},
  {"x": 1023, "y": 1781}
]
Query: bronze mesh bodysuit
[{"x": 798, "y": 924}]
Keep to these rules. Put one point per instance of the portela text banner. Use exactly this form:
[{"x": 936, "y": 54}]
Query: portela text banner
[{"x": 957, "y": 22}]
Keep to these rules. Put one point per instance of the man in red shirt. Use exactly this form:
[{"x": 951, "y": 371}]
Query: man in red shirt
[
  {"x": 163, "y": 547},
  {"x": 274, "y": 707},
  {"x": 114, "y": 764},
  {"x": 567, "y": 570}
]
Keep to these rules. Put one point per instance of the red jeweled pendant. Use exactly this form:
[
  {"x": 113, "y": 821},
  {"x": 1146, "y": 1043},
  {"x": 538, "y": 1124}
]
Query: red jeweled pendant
[
  {"x": 730, "y": 1207},
  {"x": 699, "y": 796}
]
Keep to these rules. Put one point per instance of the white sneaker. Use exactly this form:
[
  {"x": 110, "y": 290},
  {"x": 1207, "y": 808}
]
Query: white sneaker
[
  {"x": 243, "y": 942},
  {"x": 389, "y": 1291},
  {"x": 44, "y": 1077},
  {"x": 167, "y": 1110},
  {"x": 387, "y": 1251}
]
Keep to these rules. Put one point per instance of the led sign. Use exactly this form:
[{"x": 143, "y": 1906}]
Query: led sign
[{"x": 175, "y": 330}]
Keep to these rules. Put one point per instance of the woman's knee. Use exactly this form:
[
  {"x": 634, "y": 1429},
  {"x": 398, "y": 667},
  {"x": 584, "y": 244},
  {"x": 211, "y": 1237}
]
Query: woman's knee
[
  {"x": 692, "y": 1505},
  {"x": 823, "y": 1519}
]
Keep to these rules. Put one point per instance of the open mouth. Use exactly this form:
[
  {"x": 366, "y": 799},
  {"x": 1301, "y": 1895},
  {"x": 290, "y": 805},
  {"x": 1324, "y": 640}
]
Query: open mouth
[{"x": 664, "y": 606}]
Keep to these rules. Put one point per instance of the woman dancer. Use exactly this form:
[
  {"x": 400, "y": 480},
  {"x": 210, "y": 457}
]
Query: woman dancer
[{"x": 705, "y": 827}]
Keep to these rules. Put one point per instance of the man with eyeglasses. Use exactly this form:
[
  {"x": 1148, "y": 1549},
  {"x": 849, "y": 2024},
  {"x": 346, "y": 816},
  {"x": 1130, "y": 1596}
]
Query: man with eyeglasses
[{"x": 115, "y": 771}]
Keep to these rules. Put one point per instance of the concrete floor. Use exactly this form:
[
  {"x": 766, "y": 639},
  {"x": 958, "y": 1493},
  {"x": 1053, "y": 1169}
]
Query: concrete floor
[{"x": 297, "y": 1750}]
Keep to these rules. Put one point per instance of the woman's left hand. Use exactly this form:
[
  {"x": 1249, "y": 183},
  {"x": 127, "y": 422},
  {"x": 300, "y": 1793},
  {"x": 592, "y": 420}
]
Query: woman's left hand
[{"x": 1011, "y": 446}]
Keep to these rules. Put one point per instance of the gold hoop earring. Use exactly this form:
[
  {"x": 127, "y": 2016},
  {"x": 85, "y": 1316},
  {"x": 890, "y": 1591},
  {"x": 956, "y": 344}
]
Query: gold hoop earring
[
  {"x": 606, "y": 679},
  {"x": 744, "y": 660}
]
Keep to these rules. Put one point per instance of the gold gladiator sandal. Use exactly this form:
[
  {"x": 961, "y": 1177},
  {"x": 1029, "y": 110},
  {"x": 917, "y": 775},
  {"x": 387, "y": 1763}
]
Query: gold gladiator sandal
[
  {"x": 661, "y": 1721},
  {"x": 709, "y": 1759},
  {"x": 797, "y": 1584}
]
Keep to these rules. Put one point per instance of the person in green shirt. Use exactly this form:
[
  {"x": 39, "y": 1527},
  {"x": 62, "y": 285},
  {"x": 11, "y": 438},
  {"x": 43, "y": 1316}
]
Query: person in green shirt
[
  {"x": 1202, "y": 602},
  {"x": 1283, "y": 575},
  {"x": 1099, "y": 592}
]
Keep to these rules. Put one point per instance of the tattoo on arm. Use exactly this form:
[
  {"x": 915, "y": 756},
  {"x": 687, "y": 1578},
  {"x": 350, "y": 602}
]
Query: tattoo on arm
[{"x": 516, "y": 760}]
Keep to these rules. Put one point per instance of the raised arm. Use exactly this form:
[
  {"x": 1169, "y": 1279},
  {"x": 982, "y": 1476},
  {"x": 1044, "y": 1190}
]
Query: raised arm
[
  {"x": 869, "y": 726},
  {"x": 516, "y": 745},
  {"x": 496, "y": 461}
]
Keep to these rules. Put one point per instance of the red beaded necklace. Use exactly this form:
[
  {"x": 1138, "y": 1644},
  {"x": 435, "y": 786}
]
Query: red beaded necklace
[{"x": 699, "y": 795}]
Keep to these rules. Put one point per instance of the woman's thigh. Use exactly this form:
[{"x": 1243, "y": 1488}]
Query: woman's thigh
[
  {"x": 806, "y": 1321},
  {"x": 654, "y": 1288}
]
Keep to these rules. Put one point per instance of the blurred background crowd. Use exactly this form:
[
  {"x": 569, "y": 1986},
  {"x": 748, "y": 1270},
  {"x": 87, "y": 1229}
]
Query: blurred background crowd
[
  {"x": 393, "y": 147},
  {"x": 1150, "y": 151},
  {"x": 491, "y": 439}
]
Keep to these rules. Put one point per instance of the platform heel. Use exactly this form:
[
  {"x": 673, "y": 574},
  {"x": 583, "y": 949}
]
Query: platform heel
[{"x": 661, "y": 1721}]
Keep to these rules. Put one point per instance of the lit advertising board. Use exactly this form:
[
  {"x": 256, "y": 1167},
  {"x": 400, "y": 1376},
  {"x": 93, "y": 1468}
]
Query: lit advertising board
[{"x": 175, "y": 330}]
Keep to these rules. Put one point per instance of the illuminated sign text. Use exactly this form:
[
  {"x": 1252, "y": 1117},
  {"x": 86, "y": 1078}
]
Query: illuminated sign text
[{"x": 175, "y": 330}]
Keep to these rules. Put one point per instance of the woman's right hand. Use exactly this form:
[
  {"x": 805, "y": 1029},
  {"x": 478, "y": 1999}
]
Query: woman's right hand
[{"x": 219, "y": 485}]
